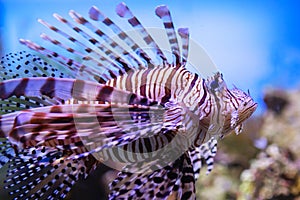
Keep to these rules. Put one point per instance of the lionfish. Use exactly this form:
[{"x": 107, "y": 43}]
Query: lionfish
[{"x": 137, "y": 109}]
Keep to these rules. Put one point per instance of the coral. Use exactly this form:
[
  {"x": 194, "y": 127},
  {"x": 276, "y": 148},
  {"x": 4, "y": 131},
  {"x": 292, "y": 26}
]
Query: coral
[{"x": 274, "y": 174}]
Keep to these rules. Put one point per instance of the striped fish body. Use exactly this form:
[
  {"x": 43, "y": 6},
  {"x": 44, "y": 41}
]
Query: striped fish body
[
  {"x": 167, "y": 85},
  {"x": 159, "y": 120}
]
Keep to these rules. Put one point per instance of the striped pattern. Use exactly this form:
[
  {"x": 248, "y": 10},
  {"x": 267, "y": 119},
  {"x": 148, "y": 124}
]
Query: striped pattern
[
  {"x": 147, "y": 114},
  {"x": 164, "y": 13},
  {"x": 96, "y": 15},
  {"x": 184, "y": 34},
  {"x": 65, "y": 89},
  {"x": 123, "y": 11}
]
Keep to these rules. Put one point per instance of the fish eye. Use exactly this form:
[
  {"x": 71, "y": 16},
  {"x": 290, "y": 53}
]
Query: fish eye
[
  {"x": 245, "y": 103},
  {"x": 214, "y": 84}
]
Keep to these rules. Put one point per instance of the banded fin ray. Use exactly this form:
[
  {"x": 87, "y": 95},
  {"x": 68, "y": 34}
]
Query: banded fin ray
[
  {"x": 66, "y": 89},
  {"x": 206, "y": 152},
  {"x": 115, "y": 64},
  {"x": 164, "y": 13},
  {"x": 124, "y": 12},
  {"x": 175, "y": 180},
  {"x": 102, "y": 123},
  {"x": 118, "y": 48},
  {"x": 78, "y": 68},
  {"x": 184, "y": 34},
  {"x": 96, "y": 15},
  {"x": 43, "y": 173},
  {"x": 113, "y": 59}
]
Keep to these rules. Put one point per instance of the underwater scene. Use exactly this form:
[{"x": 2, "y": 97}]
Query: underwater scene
[{"x": 149, "y": 100}]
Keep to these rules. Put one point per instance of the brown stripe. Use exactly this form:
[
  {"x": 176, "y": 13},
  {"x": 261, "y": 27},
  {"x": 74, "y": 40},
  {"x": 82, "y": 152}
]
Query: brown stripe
[
  {"x": 204, "y": 94},
  {"x": 124, "y": 64},
  {"x": 20, "y": 89},
  {"x": 98, "y": 32},
  {"x": 148, "y": 39},
  {"x": 70, "y": 62},
  {"x": 155, "y": 78},
  {"x": 89, "y": 50},
  {"x": 70, "y": 50},
  {"x": 107, "y": 21},
  {"x": 56, "y": 109},
  {"x": 143, "y": 90},
  {"x": 168, "y": 25},
  {"x": 132, "y": 99},
  {"x": 128, "y": 82},
  {"x": 38, "y": 118},
  {"x": 144, "y": 82},
  {"x": 122, "y": 35},
  {"x": 55, "y": 42},
  {"x": 93, "y": 41},
  {"x": 135, "y": 46},
  {"x": 82, "y": 20},
  {"x": 194, "y": 80},
  {"x": 167, "y": 95},
  {"x": 173, "y": 41},
  {"x": 134, "y": 21},
  {"x": 33, "y": 136},
  {"x": 63, "y": 20},
  {"x": 167, "y": 87},
  {"x": 113, "y": 44},
  {"x": 99, "y": 79},
  {"x": 72, "y": 39},
  {"x": 105, "y": 93},
  {"x": 76, "y": 29},
  {"x": 48, "y": 88},
  {"x": 14, "y": 133},
  {"x": 199, "y": 139},
  {"x": 53, "y": 28},
  {"x": 112, "y": 74},
  {"x": 3, "y": 93},
  {"x": 185, "y": 46}
]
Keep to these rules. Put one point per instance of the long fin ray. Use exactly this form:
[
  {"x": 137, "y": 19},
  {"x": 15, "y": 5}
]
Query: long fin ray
[
  {"x": 112, "y": 43},
  {"x": 184, "y": 34},
  {"x": 66, "y": 89},
  {"x": 124, "y": 12},
  {"x": 96, "y": 15},
  {"x": 96, "y": 124},
  {"x": 164, "y": 13},
  {"x": 112, "y": 61},
  {"x": 174, "y": 179},
  {"x": 79, "y": 69},
  {"x": 43, "y": 173}
]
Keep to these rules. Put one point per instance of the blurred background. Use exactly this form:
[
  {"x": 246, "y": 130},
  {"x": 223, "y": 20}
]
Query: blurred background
[{"x": 255, "y": 44}]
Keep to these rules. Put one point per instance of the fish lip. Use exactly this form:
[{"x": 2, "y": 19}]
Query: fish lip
[
  {"x": 255, "y": 106},
  {"x": 252, "y": 109}
]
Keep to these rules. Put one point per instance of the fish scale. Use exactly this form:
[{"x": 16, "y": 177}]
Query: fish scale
[{"x": 153, "y": 116}]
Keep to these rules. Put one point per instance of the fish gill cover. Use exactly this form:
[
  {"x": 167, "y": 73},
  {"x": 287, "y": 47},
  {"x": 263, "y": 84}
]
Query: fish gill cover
[{"x": 121, "y": 99}]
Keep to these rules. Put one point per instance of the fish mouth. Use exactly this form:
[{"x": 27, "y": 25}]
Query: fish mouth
[
  {"x": 253, "y": 108},
  {"x": 248, "y": 112}
]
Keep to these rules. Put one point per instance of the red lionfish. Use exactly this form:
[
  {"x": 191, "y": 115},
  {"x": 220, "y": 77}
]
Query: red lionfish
[{"x": 156, "y": 118}]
